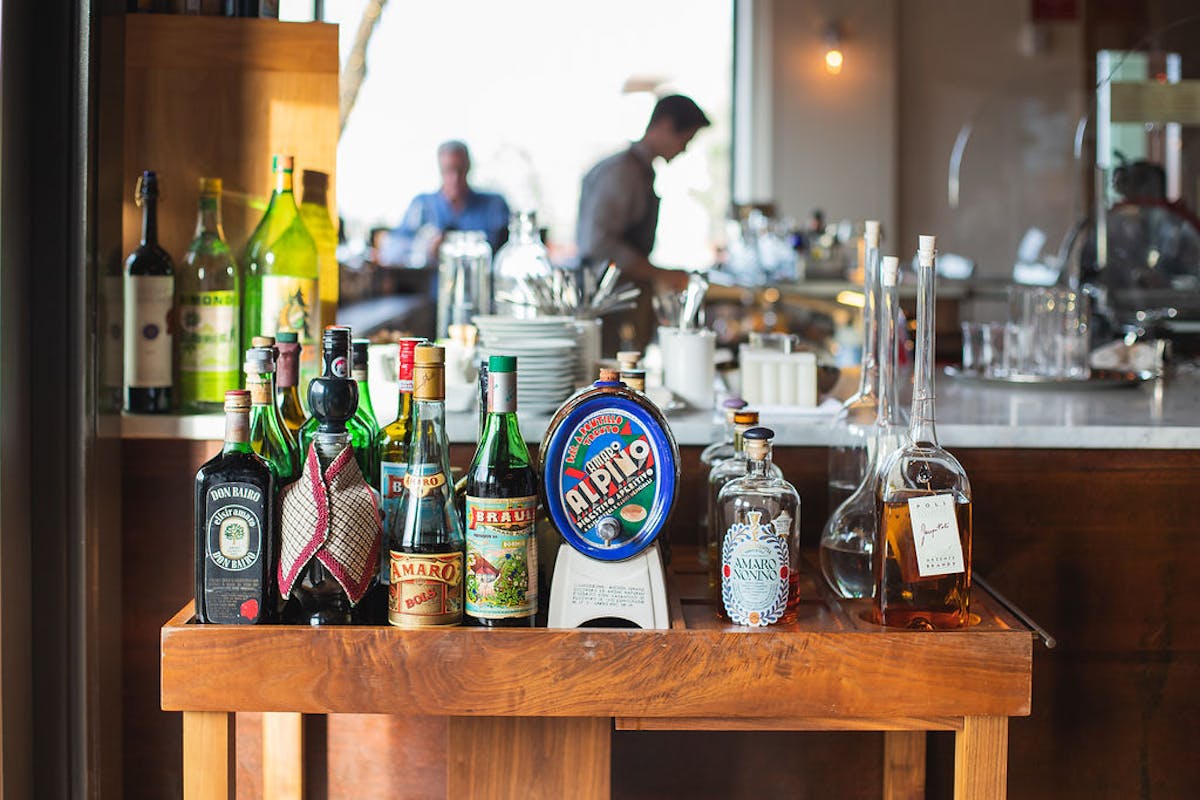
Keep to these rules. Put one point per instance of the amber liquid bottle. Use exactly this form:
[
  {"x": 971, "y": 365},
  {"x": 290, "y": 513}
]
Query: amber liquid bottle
[{"x": 922, "y": 555}]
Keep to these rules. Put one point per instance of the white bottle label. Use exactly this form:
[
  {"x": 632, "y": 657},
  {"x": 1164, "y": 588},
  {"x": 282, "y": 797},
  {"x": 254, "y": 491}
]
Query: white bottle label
[
  {"x": 754, "y": 572},
  {"x": 935, "y": 535},
  {"x": 148, "y": 300}
]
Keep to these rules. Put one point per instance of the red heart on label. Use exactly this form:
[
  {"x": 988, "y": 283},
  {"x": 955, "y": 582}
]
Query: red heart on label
[{"x": 249, "y": 609}]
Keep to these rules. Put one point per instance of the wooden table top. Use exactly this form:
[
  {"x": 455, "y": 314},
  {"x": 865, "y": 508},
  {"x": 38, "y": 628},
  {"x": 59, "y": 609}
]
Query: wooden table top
[{"x": 830, "y": 663}]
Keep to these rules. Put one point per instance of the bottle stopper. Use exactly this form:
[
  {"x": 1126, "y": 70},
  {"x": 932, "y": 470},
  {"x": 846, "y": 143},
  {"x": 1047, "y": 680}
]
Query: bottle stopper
[
  {"x": 609, "y": 375},
  {"x": 237, "y": 400},
  {"x": 871, "y": 234},
  {"x": 628, "y": 359},
  {"x": 926, "y": 247},
  {"x": 758, "y": 442},
  {"x": 889, "y": 270}
]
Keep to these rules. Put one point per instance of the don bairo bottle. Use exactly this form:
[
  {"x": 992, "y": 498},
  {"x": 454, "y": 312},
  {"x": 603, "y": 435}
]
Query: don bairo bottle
[
  {"x": 234, "y": 527},
  {"x": 923, "y": 550},
  {"x": 425, "y": 535},
  {"x": 502, "y": 575}
]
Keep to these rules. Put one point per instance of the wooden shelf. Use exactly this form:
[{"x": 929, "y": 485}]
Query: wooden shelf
[{"x": 829, "y": 670}]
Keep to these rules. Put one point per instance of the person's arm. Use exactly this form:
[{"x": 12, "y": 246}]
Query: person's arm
[{"x": 608, "y": 206}]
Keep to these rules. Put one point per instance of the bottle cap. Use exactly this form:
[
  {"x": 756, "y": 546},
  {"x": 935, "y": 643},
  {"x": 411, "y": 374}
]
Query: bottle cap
[
  {"x": 314, "y": 180},
  {"x": 926, "y": 247},
  {"x": 358, "y": 353},
  {"x": 759, "y": 434},
  {"x": 609, "y": 375},
  {"x": 745, "y": 418},
  {"x": 871, "y": 233},
  {"x": 758, "y": 442},
  {"x": 147, "y": 186},
  {"x": 733, "y": 402},
  {"x": 429, "y": 354},
  {"x": 282, "y": 163},
  {"x": 263, "y": 341},
  {"x": 404, "y": 362},
  {"x": 210, "y": 186},
  {"x": 889, "y": 269},
  {"x": 237, "y": 400},
  {"x": 259, "y": 359},
  {"x": 502, "y": 363},
  {"x": 287, "y": 337}
]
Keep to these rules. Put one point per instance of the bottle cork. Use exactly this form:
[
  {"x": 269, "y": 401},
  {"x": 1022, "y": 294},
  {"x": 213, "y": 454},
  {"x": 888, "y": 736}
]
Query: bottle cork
[
  {"x": 429, "y": 372},
  {"x": 889, "y": 270},
  {"x": 871, "y": 233},
  {"x": 609, "y": 375}
]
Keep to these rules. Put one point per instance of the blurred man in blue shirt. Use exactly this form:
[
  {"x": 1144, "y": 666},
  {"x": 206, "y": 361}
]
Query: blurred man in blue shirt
[{"x": 454, "y": 207}]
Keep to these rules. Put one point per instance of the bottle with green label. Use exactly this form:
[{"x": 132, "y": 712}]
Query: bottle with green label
[
  {"x": 207, "y": 340},
  {"x": 281, "y": 274},
  {"x": 502, "y": 573}
]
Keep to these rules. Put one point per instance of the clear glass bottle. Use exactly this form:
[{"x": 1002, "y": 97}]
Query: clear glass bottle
[
  {"x": 464, "y": 279},
  {"x": 280, "y": 265},
  {"x": 234, "y": 527},
  {"x": 923, "y": 581},
  {"x": 501, "y": 512},
  {"x": 848, "y": 539},
  {"x": 425, "y": 535},
  {"x": 760, "y": 499},
  {"x": 207, "y": 308},
  {"x": 523, "y": 256},
  {"x": 723, "y": 449},
  {"x": 853, "y": 426},
  {"x": 721, "y": 474},
  {"x": 149, "y": 294},
  {"x": 287, "y": 378}
]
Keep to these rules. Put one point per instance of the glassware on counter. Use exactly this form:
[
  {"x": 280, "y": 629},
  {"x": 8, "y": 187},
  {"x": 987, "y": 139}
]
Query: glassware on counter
[
  {"x": 522, "y": 257},
  {"x": 464, "y": 279},
  {"x": 922, "y": 552},
  {"x": 854, "y": 425},
  {"x": 848, "y": 539},
  {"x": 1047, "y": 335}
]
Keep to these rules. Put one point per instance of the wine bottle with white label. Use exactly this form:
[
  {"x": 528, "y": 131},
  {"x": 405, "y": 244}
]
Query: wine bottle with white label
[
  {"x": 149, "y": 296},
  {"x": 922, "y": 554}
]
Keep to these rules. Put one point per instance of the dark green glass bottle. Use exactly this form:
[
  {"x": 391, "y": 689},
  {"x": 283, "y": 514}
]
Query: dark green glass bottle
[
  {"x": 365, "y": 415},
  {"x": 235, "y": 527},
  {"x": 501, "y": 567},
  {"x": 268, "y": 435},
  {"x": 149, "y": 294}
]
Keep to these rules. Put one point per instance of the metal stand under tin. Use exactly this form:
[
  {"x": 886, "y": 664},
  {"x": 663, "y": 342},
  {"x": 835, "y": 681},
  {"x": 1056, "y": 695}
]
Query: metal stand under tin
[{"x": 585, "y": 589}]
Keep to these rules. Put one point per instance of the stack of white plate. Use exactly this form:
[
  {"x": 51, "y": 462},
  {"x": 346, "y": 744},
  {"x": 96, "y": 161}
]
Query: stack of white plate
[{"x": 546, "y": 349}]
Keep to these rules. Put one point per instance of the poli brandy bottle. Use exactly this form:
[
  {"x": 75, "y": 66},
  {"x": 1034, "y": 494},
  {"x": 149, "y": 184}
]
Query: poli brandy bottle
[
  {"x": 501, "y": 512},
  {"x": 922, "y": 553},
  {"x": 235, "y": 527}
]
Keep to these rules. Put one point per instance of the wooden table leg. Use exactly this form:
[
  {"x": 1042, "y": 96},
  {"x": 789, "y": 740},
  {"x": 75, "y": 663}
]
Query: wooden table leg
[
  {"x": 981, "y": 759},
  {"x": 209, "y": 755},
  {"x": 903, "y": 765},
  {"x": 529, "y": 757},
  {"x": 283, "y": 756}
]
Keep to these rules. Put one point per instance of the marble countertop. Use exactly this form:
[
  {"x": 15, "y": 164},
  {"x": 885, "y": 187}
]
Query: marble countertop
[{"x": 1160, "y": 414}]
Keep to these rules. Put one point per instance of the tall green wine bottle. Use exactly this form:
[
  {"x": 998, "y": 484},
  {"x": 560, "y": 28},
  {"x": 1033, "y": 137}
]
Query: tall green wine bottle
[
  {"x": 359, "y": 370},
  {"x": 206, "y": 301},
  {"x": 502, "y": 572},
  {"x": 319, "y": 219},
  {"x": 281, "y": 274}
]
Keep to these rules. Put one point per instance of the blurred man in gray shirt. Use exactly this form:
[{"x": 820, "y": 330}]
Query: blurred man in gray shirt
[{"x": 618, "y": 209}]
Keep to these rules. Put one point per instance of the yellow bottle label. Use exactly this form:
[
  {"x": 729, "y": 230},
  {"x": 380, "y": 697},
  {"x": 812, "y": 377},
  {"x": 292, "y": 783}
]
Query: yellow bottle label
[{"x": 425, "y": 589}]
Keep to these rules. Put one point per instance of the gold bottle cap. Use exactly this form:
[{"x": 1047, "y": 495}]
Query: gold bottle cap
[
  {"x": 429, "y": 354},
  {"x": 745, "y": 417},
  {"x": 429, "y": 372},
  {"x": 263, "y": 341},
  {"x": 210, "y": 186}
]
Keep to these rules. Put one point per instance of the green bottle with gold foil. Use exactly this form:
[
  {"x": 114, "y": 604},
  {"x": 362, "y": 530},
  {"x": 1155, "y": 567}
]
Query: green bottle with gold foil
[
  {"x": 281, "y": 274},
  {"x": 207, "y": 341}
]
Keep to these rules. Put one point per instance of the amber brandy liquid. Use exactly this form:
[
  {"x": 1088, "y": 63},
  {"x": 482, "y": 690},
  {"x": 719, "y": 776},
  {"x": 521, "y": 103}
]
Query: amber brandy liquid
[{"x": 906, "y": 599}]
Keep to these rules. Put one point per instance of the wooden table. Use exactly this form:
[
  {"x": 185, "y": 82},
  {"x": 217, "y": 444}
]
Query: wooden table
[{"x": 531, "y": 711}]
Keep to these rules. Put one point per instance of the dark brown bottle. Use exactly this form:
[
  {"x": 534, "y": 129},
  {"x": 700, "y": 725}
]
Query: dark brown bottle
[
  {"x": 149, "y": 298},
  {"x": 235, "y": 527}
]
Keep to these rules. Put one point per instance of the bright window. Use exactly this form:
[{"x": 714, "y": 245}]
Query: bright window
[{"x": 539, "y": 90}]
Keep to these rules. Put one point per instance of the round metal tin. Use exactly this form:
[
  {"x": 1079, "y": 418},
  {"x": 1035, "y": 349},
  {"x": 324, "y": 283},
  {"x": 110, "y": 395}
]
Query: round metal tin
[{"x": 610, "y": 468}]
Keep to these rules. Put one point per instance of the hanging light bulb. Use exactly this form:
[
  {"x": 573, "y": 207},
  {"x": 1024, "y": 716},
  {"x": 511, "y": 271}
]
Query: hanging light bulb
[{"x": 833, "y": 49}]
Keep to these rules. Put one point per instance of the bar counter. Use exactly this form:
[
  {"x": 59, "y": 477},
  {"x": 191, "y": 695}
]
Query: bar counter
[{"x": 1161, "y": 414}]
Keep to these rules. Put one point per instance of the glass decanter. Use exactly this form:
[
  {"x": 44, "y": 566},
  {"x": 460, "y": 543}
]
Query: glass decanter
[
  {"x": 854, "y": 425},
  {"x": 762, "y": 498},
  {"x": 848, "y": 539},
  {"x": 523, "y": 257},
  {"x": 923, "y": 549}
]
